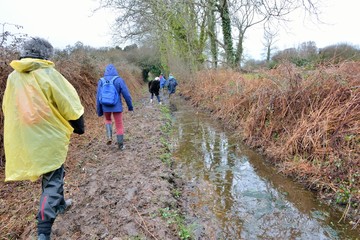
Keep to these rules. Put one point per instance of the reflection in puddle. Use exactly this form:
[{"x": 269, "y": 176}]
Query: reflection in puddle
[{"x": 242, "y": 197}]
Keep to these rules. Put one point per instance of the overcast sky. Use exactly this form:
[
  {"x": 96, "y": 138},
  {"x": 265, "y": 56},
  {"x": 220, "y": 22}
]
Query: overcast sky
[
  {"x": 62, "y": 22},
  {"x": 65, "y": 22}
]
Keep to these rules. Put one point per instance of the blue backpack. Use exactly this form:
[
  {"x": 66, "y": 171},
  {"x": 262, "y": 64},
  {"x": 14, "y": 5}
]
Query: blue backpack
[{"x": 108, "y": 94}]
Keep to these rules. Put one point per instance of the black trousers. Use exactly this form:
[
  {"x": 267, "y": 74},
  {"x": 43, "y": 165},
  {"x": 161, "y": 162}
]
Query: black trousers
[{"x": 52, "y": 200}]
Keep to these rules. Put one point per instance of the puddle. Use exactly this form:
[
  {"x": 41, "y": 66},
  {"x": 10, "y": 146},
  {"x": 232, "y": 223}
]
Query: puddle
[{"x": 238, "y": 195}]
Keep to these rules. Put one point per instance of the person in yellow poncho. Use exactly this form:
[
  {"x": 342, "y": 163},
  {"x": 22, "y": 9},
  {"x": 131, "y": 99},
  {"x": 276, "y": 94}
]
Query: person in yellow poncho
[{"x": 41, "y": 111}]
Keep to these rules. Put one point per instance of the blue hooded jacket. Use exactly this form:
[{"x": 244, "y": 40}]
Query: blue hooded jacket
[
  {"x": 120, "y": 85},
  {"x": 162, "y": 81},
  {"x": 171, "y": 84}
]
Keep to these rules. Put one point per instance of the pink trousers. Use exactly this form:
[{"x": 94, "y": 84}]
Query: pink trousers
[{"x": 117, "y": 119}]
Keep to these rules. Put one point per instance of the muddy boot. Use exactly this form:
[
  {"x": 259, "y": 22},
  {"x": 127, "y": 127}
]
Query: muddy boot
[
  {"x": 120, "y": 141},
  {"x": 108, "y": 133},
  {"x": 66, "y": 207},
  {"x": 43, "y": 237}
]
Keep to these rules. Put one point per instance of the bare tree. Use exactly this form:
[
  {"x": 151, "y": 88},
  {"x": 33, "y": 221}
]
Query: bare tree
[
  {"x": 307, "y": 49},
  {"x": 185, "y": 26},
  {"x": 10, "y": 38},
  {"x": 248, "y": 13},
  {"x": 270, "y": 34}
]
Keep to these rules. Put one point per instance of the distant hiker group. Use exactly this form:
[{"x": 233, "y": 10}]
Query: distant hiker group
[{"x": 158, "y": 86}]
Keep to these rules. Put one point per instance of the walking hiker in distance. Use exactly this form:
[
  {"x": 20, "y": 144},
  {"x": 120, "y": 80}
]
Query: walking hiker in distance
[
  {"x": 154, "y": 88},
  {"x": 41, "y": 111},
  {"x": 162, "y": 83},
  {"x": 113, "y": 108},
  {"x": 171, "y": 84}
]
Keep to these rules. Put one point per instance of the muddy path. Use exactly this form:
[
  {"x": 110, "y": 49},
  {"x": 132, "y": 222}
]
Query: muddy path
[{"x": 119, "y": 194}]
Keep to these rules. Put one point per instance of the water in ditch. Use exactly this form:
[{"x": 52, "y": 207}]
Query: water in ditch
[{"x": 235, "y": 195}]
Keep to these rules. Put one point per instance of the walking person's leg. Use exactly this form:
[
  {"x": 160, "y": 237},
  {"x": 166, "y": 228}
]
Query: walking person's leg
[
  {"x": 108, "y": 126},
  {"x": 158, "y": 97},
  {"x": 119, "y": 129},
  {"x": 52, "y": 201},
  {"x": 161, "y": 92},
  {"x": 151, "y": 98}
]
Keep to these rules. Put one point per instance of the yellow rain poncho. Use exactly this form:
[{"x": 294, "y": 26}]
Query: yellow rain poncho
[{"x": 38, "y": 103}]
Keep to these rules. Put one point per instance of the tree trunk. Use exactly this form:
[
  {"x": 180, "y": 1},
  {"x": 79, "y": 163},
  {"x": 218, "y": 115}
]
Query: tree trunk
[
  {"x": 212, "y": 34},
  {"x": 226, "y": 28},
  {"x": 239, "y": 50}
]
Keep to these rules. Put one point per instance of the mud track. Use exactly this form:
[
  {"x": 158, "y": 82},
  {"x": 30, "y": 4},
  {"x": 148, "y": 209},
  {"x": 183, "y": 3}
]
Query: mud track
[{"x": 118, "y": 194}]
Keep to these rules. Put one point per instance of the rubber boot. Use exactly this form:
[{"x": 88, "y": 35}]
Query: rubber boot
[
  {"x": 108, "y": 133},
  {"x": 120, "y": 141}
]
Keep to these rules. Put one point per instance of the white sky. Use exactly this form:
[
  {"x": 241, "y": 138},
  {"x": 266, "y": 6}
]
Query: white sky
[
  {"x": 61, "y": 22},
  {"x": 340, "y": 19},
  {"x": 65, "y": 22}
]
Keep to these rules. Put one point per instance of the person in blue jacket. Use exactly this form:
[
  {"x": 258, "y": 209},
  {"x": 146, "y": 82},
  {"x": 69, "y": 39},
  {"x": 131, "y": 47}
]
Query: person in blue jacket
[
  {"x": 116, "y": 110},
  {"x": 171, "y": 84},
  {"x": 162, "y": 82}
]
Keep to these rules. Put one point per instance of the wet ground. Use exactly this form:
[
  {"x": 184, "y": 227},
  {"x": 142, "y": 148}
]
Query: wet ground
[
  {"x": 235, "y": 195},
  {"x": 117, "y": 194},
  {"x": 223, "y": 188}
]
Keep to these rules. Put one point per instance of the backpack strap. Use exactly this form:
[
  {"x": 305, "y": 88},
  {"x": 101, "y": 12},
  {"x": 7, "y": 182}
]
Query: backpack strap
[
  {"x": 111, "y": 80},
  {"x": 102, "y": 81}
]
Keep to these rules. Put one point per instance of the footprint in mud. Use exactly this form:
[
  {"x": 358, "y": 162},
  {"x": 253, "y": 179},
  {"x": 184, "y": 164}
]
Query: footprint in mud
[{"x": 93, "y": 187}]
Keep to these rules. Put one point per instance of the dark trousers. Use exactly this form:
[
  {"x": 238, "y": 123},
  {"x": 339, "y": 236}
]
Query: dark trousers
[
  {"x": 52, "y": 199},
  {"x": 156, "y": 94}
]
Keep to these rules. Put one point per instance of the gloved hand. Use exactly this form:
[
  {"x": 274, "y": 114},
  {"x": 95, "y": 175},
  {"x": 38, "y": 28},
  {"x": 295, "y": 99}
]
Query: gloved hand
[{"x": 78, "y": 125}]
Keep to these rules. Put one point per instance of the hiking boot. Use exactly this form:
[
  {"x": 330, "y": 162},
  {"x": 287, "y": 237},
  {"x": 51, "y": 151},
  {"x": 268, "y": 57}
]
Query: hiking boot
[
  {"x": 43, "y": 237},
  {"x": 68, "y": 203}
]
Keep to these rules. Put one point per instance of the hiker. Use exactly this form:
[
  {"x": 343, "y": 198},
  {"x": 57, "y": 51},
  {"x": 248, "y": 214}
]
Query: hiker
[
  {"x": 41, "y": 111},
  {"x": 162, "y": 83},
  {"x": 171, "y": 84},
  {"x": 154, "y": 88},
  {"x": 113, "y": 111}
]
